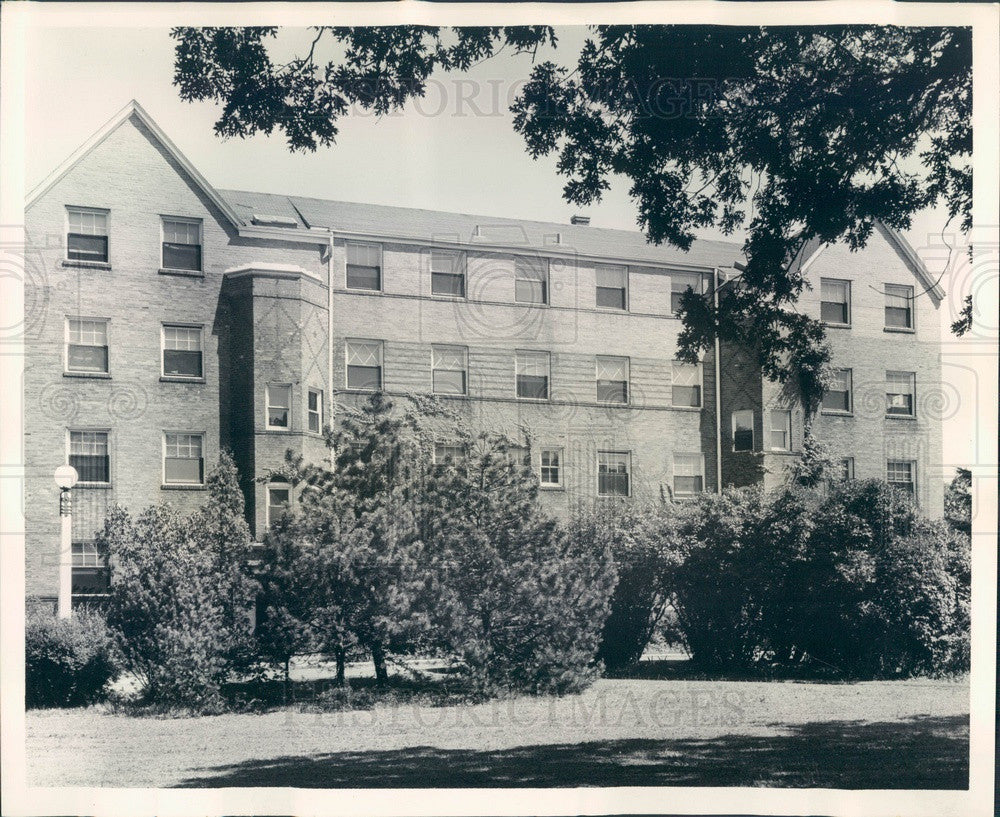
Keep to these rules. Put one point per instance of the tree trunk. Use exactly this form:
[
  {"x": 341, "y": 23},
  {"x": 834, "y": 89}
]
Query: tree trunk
[
  {"x": 341, "y": 663},
  {"x": 378, "y": 657},
  {"x": 288, "y": 678}
]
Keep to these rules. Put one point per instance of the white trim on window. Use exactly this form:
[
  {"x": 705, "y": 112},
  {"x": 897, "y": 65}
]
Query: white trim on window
[
  {"x": 690, "y": 466},
  {"x": 70, "y": 431},
  {"x": 317, "y": 412},
  {"x": 357, "y": 343},
  {"x": 97, "y": 211},
  {"x": 380, "y": 265},
  {"x": 275, "y": 486},
  {"x": 197, "y": 222},
  {"x": 163, "y": 349},
  {"x": 530, "y": 359},
  {"x": 546, "y": 464},
  {"x": 268, "y": 404},
  {"x": 68, "y": 341},
  {"x": 200, "y": 436},
  {"x": 742, "y": 414},
  {"x": 446, "y": 357},
  {"x": 679, "y": 367},
  {"x": 616, "y": 458},
  {"x": 784, "y": 416},
  {"x": 836, "y": 283}
]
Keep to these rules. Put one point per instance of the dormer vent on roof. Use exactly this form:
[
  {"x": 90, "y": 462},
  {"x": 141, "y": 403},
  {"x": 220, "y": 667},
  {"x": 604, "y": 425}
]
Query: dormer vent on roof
[{"x": 267, "y": 220}]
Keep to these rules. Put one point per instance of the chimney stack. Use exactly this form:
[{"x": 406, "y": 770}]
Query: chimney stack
[{"x": 580, "y": 221}]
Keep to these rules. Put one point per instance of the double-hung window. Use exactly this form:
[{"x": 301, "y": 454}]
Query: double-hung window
[
  {"x": 531, "y": 280},
  {"x": 681, "y": 283},
  {"x": 689, "y": 474},
  {"x": 685, "y": 388},
  {"x": 898, "y": 307},
  {"x": 314, "y": 410},
  {"x": 183, "y": 458},
  {"x": 87, "y": 345},
  {"x": 87, "y": 234},
  {"x": 612, "y": 286},
  {"x": 279, "y": 405},
  {"x": 449, "y": 369},
  {"x": 364, "y": 365},
  {"x": 182, "y": 352},
  {"x": 612, "y": 379},
  {"x": 532, "y": 369},
  {"x": 279, "y": 502},
  {"x": 835, "y": 301},
  {"x": 781, "y": 430},
  {"x": 90, "y": 576},
  {"x": 448, "y": 452},
  {"x": 900, "y": 474},
  {"x": 447, "y": 273},
  {"x": 900, "y": 390},
  {"x": 838, "y": 397},
  {"x": 743, "y": 430},
  {"x": 364, "y": 266},
  {"x": 846, "y": 470},
  {"x": 550, "y": 471},
  {"x": 613, "y": 469},
  {"x": 89, "y": 455},
  {"x": 181, "y": 244}
]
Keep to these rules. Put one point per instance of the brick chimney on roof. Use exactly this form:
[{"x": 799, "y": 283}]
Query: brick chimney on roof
[{"x": 580, "y": 221}]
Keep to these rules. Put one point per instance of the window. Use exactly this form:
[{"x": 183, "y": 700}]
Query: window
[
  {"x": 279, "y": 502},
  {"x": 279, "y": 404},
  {"x": 835, "y": 301},
  {"x": 88, "y": 454},
  {"x": 899, "y": 393},
  {"x": 612, "y": 379},
  {"x": 364, "y": 266},
  {"x": 448, "y": 452},
  {"x": 183, "y": 459},
  {"x": 899, "y": 474},
  {"x": 519, "y": 455},
  {"x": 846, "y": 470},
  {"x": 689, "y": 474},
  {"x": 685, "y": 389},
  {"x": 898, "y": 307},
  {"x": 743, "y": 430},
  {"x": 87, "y": 235},
  {"x": 314, "y": 410},
  {"x": 86, "y": 345},
  {"x": 612, "y": 286},
  {"x": 90, "y": 575},
  {"x": 182, "y": 353},
  {"x": 181, "y": 244},
  {"x": 612, "y": 473},
  {"x": 447, "y": 274},
  {"x": 781, "y": 430},
  {"x": 449, "y": 369},
  {"x": 531, "y": 280},
  {"x": 838, "y": 396},
  {"x": 532, "y": 375},
  {"x": 681, "y": 283},
  {"x": 550, "y": 473},
  {"x": 364, "y": 365}
]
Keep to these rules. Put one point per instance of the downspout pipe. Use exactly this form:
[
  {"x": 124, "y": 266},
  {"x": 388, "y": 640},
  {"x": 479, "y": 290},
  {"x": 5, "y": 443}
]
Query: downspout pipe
[
  {"x": 718, "y": 388},
  {"x": 329, "y": 336}
]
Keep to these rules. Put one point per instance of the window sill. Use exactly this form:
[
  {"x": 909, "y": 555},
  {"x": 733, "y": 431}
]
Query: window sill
[
  {"x": 899, "y": 330},
  {"x": 89, "y": 375},
  {"x": 836, "y": 325},
  {"x": 365, "y": 290},
  {"x": 835, "y": 413},
  {"x": 541, "y": 400},
  {"x": 612, "y": 310},
  {"x": 184, "y": 273},
  {"x": 551, "y": 487},
  {"x": 177, "y": 486},
  {"x": 900, "y": 417},
  {"x": 687, "y": 408},
  {"x": 446, "y": 297},
  {"x": 176, "y": 379},
  {"x": 71, "y": 262},
  {"x": 93, "y": 485}
]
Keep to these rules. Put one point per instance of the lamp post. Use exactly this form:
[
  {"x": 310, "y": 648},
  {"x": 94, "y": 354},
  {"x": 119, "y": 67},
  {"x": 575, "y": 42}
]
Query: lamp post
[{"x": 65, "y": 477}]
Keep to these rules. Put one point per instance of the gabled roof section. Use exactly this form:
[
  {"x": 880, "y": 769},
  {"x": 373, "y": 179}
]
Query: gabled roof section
[
  {"x": 909, "y": 255},
  {"x": 133, "y": 108}
]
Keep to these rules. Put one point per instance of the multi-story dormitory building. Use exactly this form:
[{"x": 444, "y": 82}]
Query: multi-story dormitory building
[{"x": 175, "y": 319}]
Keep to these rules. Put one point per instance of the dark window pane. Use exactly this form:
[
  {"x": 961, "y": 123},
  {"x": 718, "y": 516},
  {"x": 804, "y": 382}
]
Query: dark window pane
[
  {"x": 448, "y": 382},
  {"x": 529, "y": 292},
  {"x": 368, "y": 378},
  {"x": 689, "y": 396},
  {"x": 87, "y": 247},
  {"x": 743, "y": 440},
  {"x": 612, "y": 391},
  {"x": 88, "y": 358},
  {"x": 277, "y": 417},
  {"x": 447, "y": 283},
  {"x": 687, "y": 485},
  {"x": 181, "y": 256},
  {"x": 91, "y": 467},
  {"x": 359, "y": 277},
  {"x": 314, "y": 421},
  {"x": 184, "y": 469},
  {"x": 611, "y": 297},
  {"x": 837, "y": 401},
  {"x": 897, "y": 317},
  {"x": 833, "y": 312},
  {"x": 901, "y": 404},
  {"x": 90, "y": 580},
  {"x": 533, "y": 386},
  {"x": 612, "y": 484},
  {"x": 181, "y": 363},
  {"x": 675, "y": 301}
]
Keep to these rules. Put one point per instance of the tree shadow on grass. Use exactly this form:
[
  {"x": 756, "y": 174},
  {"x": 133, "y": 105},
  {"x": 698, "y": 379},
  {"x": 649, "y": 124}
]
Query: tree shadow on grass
[{"x": 920, "y": 753}]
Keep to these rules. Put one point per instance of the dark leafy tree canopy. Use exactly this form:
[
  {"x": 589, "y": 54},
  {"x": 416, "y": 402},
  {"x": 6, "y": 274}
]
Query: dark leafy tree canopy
[{"x": 797, "y": 135}]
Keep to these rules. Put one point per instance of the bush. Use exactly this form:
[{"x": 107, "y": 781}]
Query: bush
[
  {"x": 643, "y": 545},
  {"x": 68, "y": 662},
  {"x": 181, "y": 600}
]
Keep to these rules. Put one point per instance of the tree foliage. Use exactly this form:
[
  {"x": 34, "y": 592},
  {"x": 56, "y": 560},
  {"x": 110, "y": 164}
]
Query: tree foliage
[{"x": 802, "y": 135}]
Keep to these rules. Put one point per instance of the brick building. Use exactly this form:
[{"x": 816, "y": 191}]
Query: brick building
[{"x": 169, "y": 319}]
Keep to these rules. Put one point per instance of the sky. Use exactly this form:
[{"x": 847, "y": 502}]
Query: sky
[{"x": 454, "y": 150}]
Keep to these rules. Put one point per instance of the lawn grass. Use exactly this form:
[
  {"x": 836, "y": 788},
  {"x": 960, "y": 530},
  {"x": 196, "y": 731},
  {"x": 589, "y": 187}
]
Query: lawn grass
[{"x": 645, "y": 731}]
